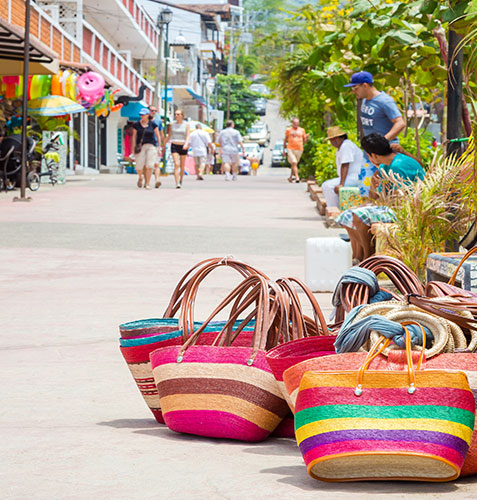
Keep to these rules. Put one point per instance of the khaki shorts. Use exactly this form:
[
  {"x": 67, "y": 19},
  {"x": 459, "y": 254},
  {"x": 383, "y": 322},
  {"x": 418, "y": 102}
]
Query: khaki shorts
[
  {"x": 230, "y": 158},
  {"x": 147, "y": 157},
  {"x": 199, "y": 162},
  {"x": 294, "y": 155}
]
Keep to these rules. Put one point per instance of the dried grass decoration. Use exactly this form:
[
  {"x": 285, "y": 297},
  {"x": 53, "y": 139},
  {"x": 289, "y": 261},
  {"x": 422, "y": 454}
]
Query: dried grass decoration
[{"x": 431, "y": 211}]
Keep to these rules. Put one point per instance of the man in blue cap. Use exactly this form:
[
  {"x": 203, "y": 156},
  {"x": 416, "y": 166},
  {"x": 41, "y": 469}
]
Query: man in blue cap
[{"x": 379, "y": 113}]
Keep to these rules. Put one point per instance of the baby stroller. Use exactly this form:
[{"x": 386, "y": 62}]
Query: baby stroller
[{"x": 11, "y": 160}]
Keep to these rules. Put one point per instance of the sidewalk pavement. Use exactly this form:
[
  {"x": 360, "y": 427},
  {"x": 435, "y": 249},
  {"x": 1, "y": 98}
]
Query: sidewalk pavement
[{"x": 82, "y": 258}]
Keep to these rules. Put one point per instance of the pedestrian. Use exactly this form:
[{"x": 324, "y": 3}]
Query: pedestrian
[
  {"x": 210, "y": 162},
  {"x": 254, "y": 163},
  {"x": 349, "y": 162},
  {"x": 200, "y": 142},
  {"x": 358, "y": 221},
  {"x": 144, "y": 148},
  {"x": 157, "y": 120},
  {"x": 179, "y": 134},
  {"x": 295, "y": 139},
  {"x": 379, "y": 113},
  {"x": 230, "y": 140}
]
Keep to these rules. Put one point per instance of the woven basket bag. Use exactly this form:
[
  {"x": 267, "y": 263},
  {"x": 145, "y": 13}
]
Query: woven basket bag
[
  {"x": 139, "y": 338},
  {"x": 354, "y": 425},
  {"x": 396, "y": 360},
  {"x": 222, "y": 390}
]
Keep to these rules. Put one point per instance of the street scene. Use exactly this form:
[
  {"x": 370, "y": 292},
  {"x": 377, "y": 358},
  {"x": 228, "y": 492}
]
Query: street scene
[{"x": 239, "y": 249}]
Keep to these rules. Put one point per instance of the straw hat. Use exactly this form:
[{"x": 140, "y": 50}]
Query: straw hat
[{"x": 334, "y": 132}]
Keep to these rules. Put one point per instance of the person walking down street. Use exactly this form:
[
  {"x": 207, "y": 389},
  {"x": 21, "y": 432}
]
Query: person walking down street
[
  {"x": 349, "y": 162},
  {"x": 200, "y": 143},
  {"x": 295, "y": 139},
  {"x": 210, "y": 162},
  {"x": 254, "y": 164},
  {"x": 229, "y": 141},
  {"x": 179, "y": 134},
  {"x": 157, "y": 120},
  {"x": 145, "y": 135}
]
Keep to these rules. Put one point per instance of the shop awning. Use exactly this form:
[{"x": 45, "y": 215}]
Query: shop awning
[
  {"x": 194, "y": 95},
  {"x": 43, "y": 61}
]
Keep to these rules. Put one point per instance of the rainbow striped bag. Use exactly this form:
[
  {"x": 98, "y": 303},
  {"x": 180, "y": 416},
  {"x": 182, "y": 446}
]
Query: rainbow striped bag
[
  {"x": 377, "y": 425},
  {"x": 223, "y": 390}
]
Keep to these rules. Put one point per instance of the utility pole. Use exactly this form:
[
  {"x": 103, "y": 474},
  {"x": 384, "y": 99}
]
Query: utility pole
[
  {"x": 26, "y": 69},
  {"x": 158, "y": 66},
  {"x": 228, "y": 100},
  {"x": 454, "y": 94}
]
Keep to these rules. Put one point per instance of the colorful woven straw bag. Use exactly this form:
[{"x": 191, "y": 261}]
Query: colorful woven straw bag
[
  {"x": 222, "y": 390},
  {"x": 375, "y": 425},
  {"x": 139, "y": 338},
  {"x": 136, "y": 353}
]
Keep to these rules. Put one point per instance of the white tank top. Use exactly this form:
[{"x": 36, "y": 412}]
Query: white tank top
[{"x": 178, "y": 132}]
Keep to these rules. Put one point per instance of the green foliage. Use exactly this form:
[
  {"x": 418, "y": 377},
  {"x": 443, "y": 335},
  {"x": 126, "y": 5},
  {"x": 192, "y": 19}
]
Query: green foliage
[
  {"x": 247, "y": 64},
  {"x": 429, "y": 212},
  {"x": 234, "y": 88},
  {"x": 408, "y": 142},
  {"x": 392, "y": 40}
]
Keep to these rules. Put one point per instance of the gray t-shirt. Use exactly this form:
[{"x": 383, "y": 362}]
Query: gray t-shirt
[
  {"x": 229, "y": 140},
  {"x": 377, "y": 114}
]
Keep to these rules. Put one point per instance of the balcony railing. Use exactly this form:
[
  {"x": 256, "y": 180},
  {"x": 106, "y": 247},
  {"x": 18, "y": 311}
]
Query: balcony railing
[{"x": 105, "y": 56}]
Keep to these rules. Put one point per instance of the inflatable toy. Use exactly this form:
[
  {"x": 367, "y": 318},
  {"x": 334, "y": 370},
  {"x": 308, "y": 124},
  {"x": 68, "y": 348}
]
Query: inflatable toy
[
  {"x": 56, "y": 84},
  {"x": 90, "y": 86},
  {"x": 71, "y": 92},
  {"x": 10, "y": 83},
  {"x": 64, "y": 78}
]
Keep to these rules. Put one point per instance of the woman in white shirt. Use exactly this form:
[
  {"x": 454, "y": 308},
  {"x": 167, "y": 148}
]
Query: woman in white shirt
[
  {"x": 349, "y": 162},
  {"x": 179, "y": 135}
]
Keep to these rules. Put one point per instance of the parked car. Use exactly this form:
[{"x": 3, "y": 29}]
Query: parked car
[
  {"x": 253, "y": 149},
  {"x": 260, "y": 106},
  {"x": 278, "y": 157},
  {"x": 260, "y": 87},
  {"x": 258, "y": 133}
]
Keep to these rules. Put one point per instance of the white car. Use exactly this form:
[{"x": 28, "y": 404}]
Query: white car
[
  {"x": 258, "y": 132},
  {"x": 253, "y": 149},
  {"x": 278, "y": 158}
]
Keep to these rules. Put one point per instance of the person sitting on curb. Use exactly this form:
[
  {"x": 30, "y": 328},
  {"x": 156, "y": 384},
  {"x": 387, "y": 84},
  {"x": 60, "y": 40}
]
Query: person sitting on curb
[
  {"x": 357, "y": 221},
  {"x": 349, "y": 161}
]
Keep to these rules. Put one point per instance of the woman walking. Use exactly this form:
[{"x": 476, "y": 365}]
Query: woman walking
[
  {"x": 178, "y": 133},
  {"x": 144, "y": 148}
]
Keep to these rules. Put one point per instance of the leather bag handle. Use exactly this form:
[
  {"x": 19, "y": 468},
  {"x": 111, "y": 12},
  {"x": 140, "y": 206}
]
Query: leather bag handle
[{"x": 464, "y": 258}]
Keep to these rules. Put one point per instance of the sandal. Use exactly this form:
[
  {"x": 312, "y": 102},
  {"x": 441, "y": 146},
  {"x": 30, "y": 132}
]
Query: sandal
[
  {"x": 139, "y": 182},
  {"x": 158, "y": 184}
]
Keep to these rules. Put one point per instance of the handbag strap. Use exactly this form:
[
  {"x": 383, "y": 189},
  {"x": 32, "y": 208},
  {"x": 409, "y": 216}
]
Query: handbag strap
[
  {"x": 464, "y": 258},
  {"x": 261, "y": 294},
  {"x": 381, "y": 345},
  {"x": 194, "y": 275},
  {"x": 188, "y": 298}
]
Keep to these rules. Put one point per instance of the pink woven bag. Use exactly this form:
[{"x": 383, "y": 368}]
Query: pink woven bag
[
  {"x": 140, "y": 338},
  {"x": 224, "y": 391}
]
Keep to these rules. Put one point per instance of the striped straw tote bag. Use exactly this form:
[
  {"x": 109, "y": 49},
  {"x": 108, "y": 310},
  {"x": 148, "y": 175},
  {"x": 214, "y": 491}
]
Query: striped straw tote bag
[
  {"x": 384, "y": 425},
  {"x": 223, "y": 390},
  {"x": 139, "y": 338}
]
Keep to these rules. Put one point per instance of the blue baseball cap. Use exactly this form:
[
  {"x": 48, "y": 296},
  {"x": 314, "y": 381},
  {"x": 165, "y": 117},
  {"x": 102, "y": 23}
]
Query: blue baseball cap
[
  {"x": 360, "y": 77},
  {"x": 144, "y": 111}
]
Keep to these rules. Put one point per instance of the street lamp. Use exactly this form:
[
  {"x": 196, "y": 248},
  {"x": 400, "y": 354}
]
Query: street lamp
[{"x": 163, "y": 20}]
